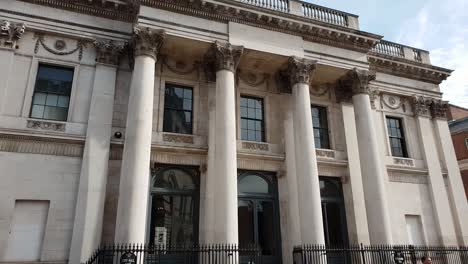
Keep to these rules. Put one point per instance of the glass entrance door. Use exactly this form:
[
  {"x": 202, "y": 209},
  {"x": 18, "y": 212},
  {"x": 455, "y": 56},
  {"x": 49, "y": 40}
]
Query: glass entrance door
[{"x": 259, "y": 216}]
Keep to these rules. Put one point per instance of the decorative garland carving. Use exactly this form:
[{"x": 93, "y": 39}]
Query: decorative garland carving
[
  {"x": 180, "y": 67},
  {"x": 403, "y": 162},
  {"x": 45, "y": 125},
  {"x": 251, "y": 78},
  {"x": 80, "y": 44},
  {"x": 319, "y": 90},
  {"x": 147, "y": 41},
  {"x": 178, "y": 138},
  {"x": 221, "y": 56},
  {"x": 255, "y": 146},
  {"x": 108, "y": 51},
  {"x": 393, "y": 102},
  {"x": 10, "y": 34}
]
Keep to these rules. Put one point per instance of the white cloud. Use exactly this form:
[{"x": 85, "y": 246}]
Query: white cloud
[{"x": 443, "y": 30}]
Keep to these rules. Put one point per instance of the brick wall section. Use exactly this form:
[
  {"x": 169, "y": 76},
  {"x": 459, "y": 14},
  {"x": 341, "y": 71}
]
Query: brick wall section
[
  {"x": 456, "y": 112},
  {"x": 459, "y": 144}
]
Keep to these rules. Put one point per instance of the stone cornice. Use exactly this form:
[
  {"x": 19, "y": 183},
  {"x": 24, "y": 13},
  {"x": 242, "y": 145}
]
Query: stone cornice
[
  {"x": 408, "y": 69},
  {"x": 119, "y": 10},
  {"x": 221, "y": 56},
  {"x": 233, "y": 11},
  {"x": 108, "y": 52},
  {"x": 10, "y": 33}
]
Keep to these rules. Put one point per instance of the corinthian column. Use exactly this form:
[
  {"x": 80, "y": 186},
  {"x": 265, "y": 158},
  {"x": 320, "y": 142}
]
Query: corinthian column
[
  {"x": 93, "y": 179},
  {"x": 437, "y": 189},
  {"x": 456, "y": 192},
  {"x": 135, "y": 172},
  {"x": 372, "y": 167},
  {"x": 222, "y": 59},
  {"x": 300, "y": 72}
]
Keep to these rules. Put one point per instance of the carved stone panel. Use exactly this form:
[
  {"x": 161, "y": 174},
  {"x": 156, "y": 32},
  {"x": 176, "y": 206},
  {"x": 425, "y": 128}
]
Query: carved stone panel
[
  {"x": 45, "y": 125},
  {"x": 403, "y": 162},
  {"x": 255, "y": 146},
  {"x": 325, "y": 153},
  {"x": 11, "y": 33},
  {"x": 108, "y": 51},
  {"x": 421, "y": 106},
  {"x": 179, "y": 138}
]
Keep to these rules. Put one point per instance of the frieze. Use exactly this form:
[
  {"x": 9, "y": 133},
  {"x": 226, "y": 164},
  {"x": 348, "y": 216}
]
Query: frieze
[
  {"x": 310, "y": 30},
  {"x": 255, "y": 146},
  {"x": 421, "y": 106},
  {"x": 408, "y": 69},
  {"x": 403, "y": 162},
  {"x": 147, "y": 41},
  {"x": 407, "y": 178},
  {"x": 221, "y": 56},
  {"x": 45, "y": 125},
  {"x": 325, "y": 153},
  {"x": 11, "y": 33},
  {"x": 108, "y": 51},
  {"x": 439, "y": 109},
  {"x": 188, "y": 139},
  {"x": 58, "y": 49},
  {"x": 39, "y": 145}
]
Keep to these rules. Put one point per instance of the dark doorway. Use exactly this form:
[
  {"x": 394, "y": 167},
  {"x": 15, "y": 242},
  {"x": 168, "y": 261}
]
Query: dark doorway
[{"x": 258, "y": 214}]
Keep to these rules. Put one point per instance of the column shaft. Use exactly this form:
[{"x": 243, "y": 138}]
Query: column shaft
[
  {"x": 226, "y": 229},
  {"x": 135, "y": 172},
  {"x": 294, "y": 221},
  {"x": 372, "y": 169},
  {"x": 93, "y": 179},
  {"x": 455, "y": 185},
  {"x": 310, "y": 208},
  {"x": 359, "y": 232}
]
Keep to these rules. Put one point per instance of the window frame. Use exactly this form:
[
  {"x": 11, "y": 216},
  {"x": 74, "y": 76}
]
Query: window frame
[
  {"x": 403, "y": 139},
  {"x": 327, "y": 122},
  {"x": 263, "y": 124},
  {"x": 31, "y": 84},
  {"x": 183, "y": 86}
]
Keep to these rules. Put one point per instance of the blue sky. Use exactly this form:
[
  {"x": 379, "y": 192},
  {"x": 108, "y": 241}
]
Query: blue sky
[{"x": 441, "y": 27}]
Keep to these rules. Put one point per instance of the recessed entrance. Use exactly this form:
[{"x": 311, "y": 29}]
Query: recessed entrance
[{"x": 258, "y": 214}]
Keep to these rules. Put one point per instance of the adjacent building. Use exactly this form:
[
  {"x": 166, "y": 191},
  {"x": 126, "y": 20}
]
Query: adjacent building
[
  {"x": 169, "y": 122},
  {"x": 458, "y": 125}
]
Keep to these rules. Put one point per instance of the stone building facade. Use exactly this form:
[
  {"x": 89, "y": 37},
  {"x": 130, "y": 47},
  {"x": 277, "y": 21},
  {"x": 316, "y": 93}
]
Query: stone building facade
[{"x": 216, "y": 121}]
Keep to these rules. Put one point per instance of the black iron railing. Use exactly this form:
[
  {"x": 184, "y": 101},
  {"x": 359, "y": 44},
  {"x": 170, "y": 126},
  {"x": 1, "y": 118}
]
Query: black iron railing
[
  {"x": 381, "y": 254},
  {"x": 194, "y": 254}
]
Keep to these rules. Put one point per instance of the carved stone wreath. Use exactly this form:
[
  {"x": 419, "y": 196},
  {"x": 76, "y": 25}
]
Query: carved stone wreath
[{"x": 80, "y": 44}]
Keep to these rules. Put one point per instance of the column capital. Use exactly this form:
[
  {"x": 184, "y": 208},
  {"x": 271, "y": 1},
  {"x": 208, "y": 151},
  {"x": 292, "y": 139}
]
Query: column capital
[
  {"x": 108, "y": 52},
  {"x": 359, "y": 81},
  {"x": 300, "y": 70},
  {"x": 221, "y": 56},
  {"x": 147, "y": 41},
  {"x": 10, "y": 33},
  {"x": 421, "y": 106},
  {"x": 439, "y": 109}
]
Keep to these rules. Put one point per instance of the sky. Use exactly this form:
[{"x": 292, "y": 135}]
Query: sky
[{"x": 441, "y": 27}]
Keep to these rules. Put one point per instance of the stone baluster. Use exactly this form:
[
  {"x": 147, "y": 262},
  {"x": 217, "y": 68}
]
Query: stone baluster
[
  {"x": 372, "y": 166},
  {"x": 456, "y": 192},
  {"x": 440, "y": 202},
  {"x": 89, "y": 210},
  {"x": 135, "y": 172},
  {"x": 221, "y": 62},
  {"x": 300, "y": 73}
]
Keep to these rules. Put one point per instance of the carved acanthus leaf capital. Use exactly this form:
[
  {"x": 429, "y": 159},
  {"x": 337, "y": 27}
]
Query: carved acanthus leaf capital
[
  {"x": 300, "y": 70},
  {"x": 10, "y": 33},
  {"x": 221, "y": 56},
  {"x": 439, "y": 109},
  {"x": 359, "y": 81},
  {"x": 421, "y": 106},
  {"x": 108, "y": 51},
  {"x": 147, "y": 41}
]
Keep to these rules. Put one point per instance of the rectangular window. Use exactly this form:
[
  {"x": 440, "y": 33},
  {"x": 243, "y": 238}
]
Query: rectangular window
[
  {"x": 396, "y": 137},
  {"x": 52, "y": 92},
  {"x": 320, "y": 124},
  {"x": 252, "y": 125},
  {"x": 178, "y": 105}
]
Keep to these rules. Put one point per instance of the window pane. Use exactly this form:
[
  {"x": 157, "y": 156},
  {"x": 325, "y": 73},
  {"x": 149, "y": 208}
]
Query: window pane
[
  {"x": 188, "y": 94},
  {"x": 258, "y": 114},
  {"x": 246, "y": 222},
  {"x": 253, "y": 184},
  {"x": 52, "y": 100},
  {"x": 63, "y": 101},
  {"x": 266, "y": 227},
  {"x": 244, "y": 134},
  {"x": 187, "y": 104},
  {"x": 251, "y": 113},
  {"x": 251, "y": 125},
  {"x": 178, "y": 108},
  {"x": 243, "y": 102},
  {"x": 244, "y": 124},
  {"x": 37, "y": 111},
  {"x": 54, "y": 113},
  {"x": 251, "y": 103},
  {"x": 39, "y": 98},
  {"x": 243, "y": 111}
]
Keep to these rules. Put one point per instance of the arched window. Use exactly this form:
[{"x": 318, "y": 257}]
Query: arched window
[
  {"x": 253, "y": 183},
  {"x": 174, "y": 179}
]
